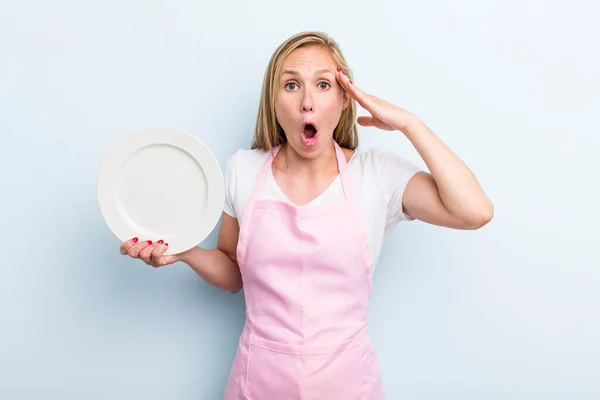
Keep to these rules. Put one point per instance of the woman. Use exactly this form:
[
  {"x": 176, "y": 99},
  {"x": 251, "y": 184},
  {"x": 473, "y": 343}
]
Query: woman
[{"x": 304, "y": 221}]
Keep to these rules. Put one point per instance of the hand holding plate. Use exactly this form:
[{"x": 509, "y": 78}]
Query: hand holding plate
[{"x": 147, "y": 251}]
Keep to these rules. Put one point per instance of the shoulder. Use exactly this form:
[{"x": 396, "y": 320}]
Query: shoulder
[
  {"x": 381, "y": 161},
  {"x": 387, "y": 171},
  {"x": 246, "y": 157},
  {"x": 243, "y": 165},
  {"x": 244, "y": 161},
  {"x": 242, "y": 168}
]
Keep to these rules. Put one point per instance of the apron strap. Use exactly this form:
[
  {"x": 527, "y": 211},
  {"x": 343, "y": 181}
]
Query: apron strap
[
  {"x": 262, "y": 176},
  {"x": 345, "y": 177}
]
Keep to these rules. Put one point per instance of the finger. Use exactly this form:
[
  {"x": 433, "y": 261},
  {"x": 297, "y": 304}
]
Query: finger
[
  {"x": 371, "y": 121},
  {"x": 134, "y": 251},
  {"x": 366, "y": 121},
  {"x": 157, "y": 254},
  {"x": 342, "y": 78},
  {"x": 361, "y": 97},
  {"x": 127, "y": 244},
  {"x": 146, "y": 253}
]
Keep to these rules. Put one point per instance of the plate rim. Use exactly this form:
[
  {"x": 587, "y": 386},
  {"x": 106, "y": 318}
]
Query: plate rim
[{"x": 188, "y": 143}]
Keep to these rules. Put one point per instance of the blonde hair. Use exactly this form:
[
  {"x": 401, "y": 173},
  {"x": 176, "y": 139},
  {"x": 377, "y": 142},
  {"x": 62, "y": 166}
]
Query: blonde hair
[{"x": 268, "y": 133}]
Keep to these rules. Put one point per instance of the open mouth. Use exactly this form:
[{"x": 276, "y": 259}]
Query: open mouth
[{"x": 309, "y": 134}]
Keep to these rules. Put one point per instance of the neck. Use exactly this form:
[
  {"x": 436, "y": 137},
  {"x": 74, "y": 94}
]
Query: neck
[{"x": 322, "y": 163}]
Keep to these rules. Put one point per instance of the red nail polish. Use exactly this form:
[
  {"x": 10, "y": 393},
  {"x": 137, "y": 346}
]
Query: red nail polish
[
  {"x": 161, "y": 241},
  {"x": 337, "y": 69},
  {"x": 149, "y": 241},
  {"x": 167, "y": 244},
  {"x": 135, "y": 240},
  {"x": 351, "y": 82},
  {"x": 343, "y": 73}
]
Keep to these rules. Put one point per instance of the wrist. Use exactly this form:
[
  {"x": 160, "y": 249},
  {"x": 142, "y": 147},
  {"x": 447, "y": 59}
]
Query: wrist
[
  {"x": 411, "y": 125},
  {"x": 186, "y": 255}
]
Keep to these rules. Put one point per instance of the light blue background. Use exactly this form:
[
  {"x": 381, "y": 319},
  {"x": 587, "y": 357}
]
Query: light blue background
[{"x": 507, "y": 312}]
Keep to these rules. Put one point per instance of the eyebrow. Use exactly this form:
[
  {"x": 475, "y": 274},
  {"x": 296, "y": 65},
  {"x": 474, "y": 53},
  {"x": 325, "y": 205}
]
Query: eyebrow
[{"x": 295, "y": 73}]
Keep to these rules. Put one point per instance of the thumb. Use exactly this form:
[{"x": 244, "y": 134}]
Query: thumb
[{"x": 366, "y": 121}]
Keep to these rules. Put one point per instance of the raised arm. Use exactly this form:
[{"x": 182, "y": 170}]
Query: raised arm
[{"x": 450, "y": 195}]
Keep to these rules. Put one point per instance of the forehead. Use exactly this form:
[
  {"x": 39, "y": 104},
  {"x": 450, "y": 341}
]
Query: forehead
[{"x": 306, "y": 59}]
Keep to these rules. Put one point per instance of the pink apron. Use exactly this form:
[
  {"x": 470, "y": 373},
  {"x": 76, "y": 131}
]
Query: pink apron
[{"x": 307, "y": 282}]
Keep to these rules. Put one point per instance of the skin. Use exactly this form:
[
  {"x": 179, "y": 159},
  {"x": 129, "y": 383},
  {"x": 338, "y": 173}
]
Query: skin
[
  {"x": 312, "y": 88},
  {"x": 308, "y": 91}
]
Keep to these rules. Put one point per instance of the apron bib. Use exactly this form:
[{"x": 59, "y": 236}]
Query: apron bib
[{"x": 307, "y": 282}]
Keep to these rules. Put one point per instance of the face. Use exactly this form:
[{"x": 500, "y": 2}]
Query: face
[{"x": 309, "y": 101}]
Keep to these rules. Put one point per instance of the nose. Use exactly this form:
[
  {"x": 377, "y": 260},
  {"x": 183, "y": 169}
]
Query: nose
[{"x": 307, "y": 103}]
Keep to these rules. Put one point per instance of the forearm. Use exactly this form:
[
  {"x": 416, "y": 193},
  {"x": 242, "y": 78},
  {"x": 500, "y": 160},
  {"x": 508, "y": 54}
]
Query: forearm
[
  {"x": 215, "y": 267},
  {"x": 458, "y": 188}
]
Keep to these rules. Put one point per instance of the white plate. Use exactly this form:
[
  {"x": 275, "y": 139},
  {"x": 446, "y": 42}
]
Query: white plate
[{"x": 161, "y": 183}]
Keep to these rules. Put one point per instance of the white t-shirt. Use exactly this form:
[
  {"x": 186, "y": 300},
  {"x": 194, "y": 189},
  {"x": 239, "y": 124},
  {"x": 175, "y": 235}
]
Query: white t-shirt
[{"x": 379, "y": 178}]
